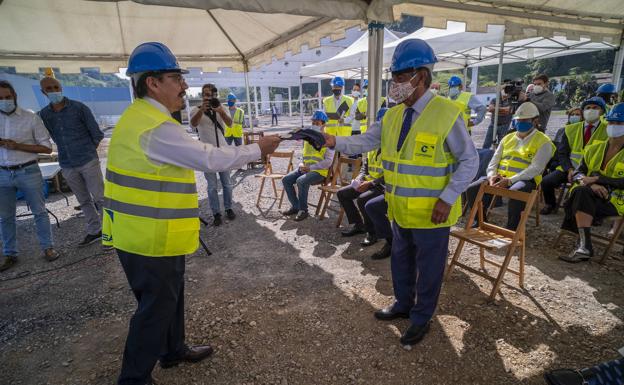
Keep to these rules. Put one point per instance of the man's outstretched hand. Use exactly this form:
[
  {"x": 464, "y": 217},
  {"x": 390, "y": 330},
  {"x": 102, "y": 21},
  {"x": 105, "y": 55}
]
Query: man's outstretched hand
[{"x": 268, "y": 144}]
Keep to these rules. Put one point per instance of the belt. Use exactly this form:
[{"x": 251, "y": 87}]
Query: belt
[{"x": 18, "y": 166}]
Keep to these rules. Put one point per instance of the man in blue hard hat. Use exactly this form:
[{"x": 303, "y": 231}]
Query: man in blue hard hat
[
  {"x": 608, "y": 93},
  {"x": 428, "y": 160},
  {"x": 234, "y": 131},
  {"x": 151, "y": 209},
  {"x": 338, "y": 108},
  {"x": 467, "y": 101}
]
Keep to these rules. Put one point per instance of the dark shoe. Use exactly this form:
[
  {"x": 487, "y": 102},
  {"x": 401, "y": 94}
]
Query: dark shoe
[
  {"x": 77, "y": 208},
  {"x": 8, "y": 262},
  {"x": 548, "y": 209},
  {"x": 414, "y": 334},
  {"x": 50, "y": 254},
  {"x": 370, "y": 239},
  {"x": 301, "y": 215},
  {"x": 581, "y": 254},
  {"x": 388, "y": 314},
  {"x": 290, "y": 211},
  {"x": 90, "y": 238},
  {"x": 356, "y": 229},
  {"x": 217, "y": 221},
  {"x": 385, "y": 252},
  {"x": 192, "y": 354},
  {"x": 229, "y": 213}
]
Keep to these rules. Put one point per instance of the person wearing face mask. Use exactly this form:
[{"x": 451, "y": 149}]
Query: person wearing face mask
[
  {"x": 234, "y": 131},
  {"x": 543, "y": 99},
  {"x": 312, "y": 170},
  {"x": 467, "y": 101},
  {"x": 356, "y": 94},
  {"x": 362, "y": 108},
  {"x": 151, "y": 208},
  {"x": 504, "y": 119},
  {"x": 517, "y": 163},
  {"x": 22, "y": 137},
  {"x": 435, "y": 88},
  {"x": 608, "y": 93},
  {"x": 338, "y": 108},
  {"x": 77, "y": 136},
  {"x": 428, "y": 160},
  {"x": 577, "y": 136},
  {"x": 598, "y": 191}
]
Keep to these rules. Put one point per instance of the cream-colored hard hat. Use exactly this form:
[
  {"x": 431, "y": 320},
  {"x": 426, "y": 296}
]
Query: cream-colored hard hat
[{"x": 527, "y": 110}]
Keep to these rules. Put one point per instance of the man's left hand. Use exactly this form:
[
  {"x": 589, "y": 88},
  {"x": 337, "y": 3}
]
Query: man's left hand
[
  {"x": 364, "y": 186},
  {"x": 441, "y": 212},
  {"x": 503, "y": 183}
]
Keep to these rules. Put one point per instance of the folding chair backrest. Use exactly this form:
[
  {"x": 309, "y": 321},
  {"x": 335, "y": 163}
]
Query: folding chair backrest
[
  {"x": 268, "y": 169},
  {"x": 337, "y": 177}
]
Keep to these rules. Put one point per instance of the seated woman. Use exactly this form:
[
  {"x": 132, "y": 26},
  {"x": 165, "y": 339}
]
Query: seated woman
[
  {"x": 518, "y": 162},
  {"x": 312, "y": 171},
  {"x": 599, "y": 186}
]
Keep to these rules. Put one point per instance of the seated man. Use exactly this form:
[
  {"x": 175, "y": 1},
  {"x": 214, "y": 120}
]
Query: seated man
[
  {"x": 312, "y": 171},
  {"x": 570, "y": 148},
  {"x": 518, "y": 162},
  {"x": 599, "y": 188}
]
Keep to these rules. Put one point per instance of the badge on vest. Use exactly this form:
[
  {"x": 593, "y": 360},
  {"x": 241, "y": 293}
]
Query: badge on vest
[{"x": 425, "y": 146}]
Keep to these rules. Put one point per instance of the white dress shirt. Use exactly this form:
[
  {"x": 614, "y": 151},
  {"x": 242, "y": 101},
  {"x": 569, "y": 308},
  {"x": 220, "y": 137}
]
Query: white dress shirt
[
  {"x": 207, "y": 130},
  {"x": 537, "y": 166},
  {"x": 24, "y": 127},
  {"x": 169, "y": 143}
]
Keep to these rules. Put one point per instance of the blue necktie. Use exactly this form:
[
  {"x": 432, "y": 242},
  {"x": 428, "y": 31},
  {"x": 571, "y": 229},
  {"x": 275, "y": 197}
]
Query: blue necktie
[{"x": 407, "y": 124}]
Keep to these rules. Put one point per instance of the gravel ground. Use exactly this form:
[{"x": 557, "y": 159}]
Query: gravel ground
[{"x": 291, "y": 303}]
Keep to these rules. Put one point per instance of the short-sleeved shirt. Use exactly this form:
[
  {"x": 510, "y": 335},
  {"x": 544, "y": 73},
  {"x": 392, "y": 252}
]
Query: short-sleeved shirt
[{"x": 25, "y": 127}]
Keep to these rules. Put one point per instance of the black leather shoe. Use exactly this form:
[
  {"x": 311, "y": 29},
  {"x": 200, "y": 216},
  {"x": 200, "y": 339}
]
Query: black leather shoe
[
  {"x": 414, "y": 334},
  {"x": 301, "y": 215},
  {"x": 572, "y": 377},
  {"x": 385, "y": 252},
  {"x": 217, "y": 221},
  {"x": 8, "y": 262},
  {"x": 548, "y": 209},
  {"x": 290, "y": 211},
  {"x": 370, "y": 239},
  {"x": 356, "y": 229},
  {"x": 388, "y": 314},
  {"x": 229, "y": 213},
  {"x": 192, "y": 354}
]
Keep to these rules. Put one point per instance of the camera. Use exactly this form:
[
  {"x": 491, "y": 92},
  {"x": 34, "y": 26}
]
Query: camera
[
  {"x": 513, "y": 88},
  {"x": 213, "y": 102}
]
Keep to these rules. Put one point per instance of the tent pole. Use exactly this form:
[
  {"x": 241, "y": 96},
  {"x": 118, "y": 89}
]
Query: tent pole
[
  {"x": 474, "y": 80},
  {"x": 375, "y": 62},
  {"x": 246, "y": 68},
  {"x": 465, "y": 77},
  {"x": 499, "y": 80},
  {"x": 301, "y": 99},
  {"x": 362, "y": 77},
  {"x": 320, "y": 97},
  {"x": 255, "y": 95},
  {"x": 617, "y": 65},
  {"x": 289, "y": 102}
]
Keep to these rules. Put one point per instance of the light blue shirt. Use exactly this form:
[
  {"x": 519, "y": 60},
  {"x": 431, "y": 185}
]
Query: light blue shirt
[
  {"x": 458, "y": 142},
  {"x": 479, "y": 108}
]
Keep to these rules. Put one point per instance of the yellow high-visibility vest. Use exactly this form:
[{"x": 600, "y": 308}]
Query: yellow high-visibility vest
[
  {"x": 594, "y": 156},
  {"x": 375, "y": 166},
  {"x": 362, "y": 106},
  {"x": 311, "y": 156},
  {"x": 416, "y": 175},
  {"x": 516, "y": 159},
  {"x": 332, "y": 126},
  {"x": 149, "y": 209},
  {"x": 575, "y": 134},
  {"x": 236, "y": 130},
  {"x": 462, "y": 101}
]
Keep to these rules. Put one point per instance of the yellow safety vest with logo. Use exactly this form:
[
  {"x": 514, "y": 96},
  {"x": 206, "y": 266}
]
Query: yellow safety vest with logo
[
  {"x": 332, "y": 126},
  {"x": 594, "y": 156},
  {"x": 462, "y": 101},
  {"x": 375, "y": 165},
  {"x": 149, "y": 209},
  {"x": 416, "y": 175},
  {"x": 575, "y": 134},
  {"x": 516, "y": 159},
  {"x": 362, "y": 106},
  {"x": 237, "y": 125},
  {"x": 311, "y": 156}
]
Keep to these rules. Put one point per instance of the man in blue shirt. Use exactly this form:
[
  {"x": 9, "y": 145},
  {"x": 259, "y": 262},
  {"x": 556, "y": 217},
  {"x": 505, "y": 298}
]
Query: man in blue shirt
[{"x": 77, "y": 135}]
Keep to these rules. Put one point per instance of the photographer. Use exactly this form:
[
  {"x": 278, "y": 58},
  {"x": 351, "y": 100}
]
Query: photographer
[
  {"x": 210, "y": 120},
  {"x": 506, "y": 110},
  {"x": 543, "y": 99}
]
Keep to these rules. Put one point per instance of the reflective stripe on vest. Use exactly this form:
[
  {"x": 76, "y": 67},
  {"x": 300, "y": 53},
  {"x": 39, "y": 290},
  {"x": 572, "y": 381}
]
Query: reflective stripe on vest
[
  {"x": 594, "y": 157},
  {"x": 332, "y": 126},
  {"x": 311, "y": 156},
  {"x": 236, "y": 130},
  {"x": 374, "y": 164},
  {"x": 416, "y": 175},
  {"x": 516, "y": 159},
  {"x": 150, "y": 212},
  {"x": 149, "y": 184},
  {"x": 575, "y": 133}
]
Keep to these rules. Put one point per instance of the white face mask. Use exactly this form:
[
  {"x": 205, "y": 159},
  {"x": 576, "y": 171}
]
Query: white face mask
[
  {"x": 538, "y": 89},
  {"x": 454, "y": 91},
  {"x": 399, "y": 92},
  {"x": 615, "y": 130},
  {"x": 591, "y": 115},
  {"x": 434, "y": 91},
  {"x": 355, "y": 94}
]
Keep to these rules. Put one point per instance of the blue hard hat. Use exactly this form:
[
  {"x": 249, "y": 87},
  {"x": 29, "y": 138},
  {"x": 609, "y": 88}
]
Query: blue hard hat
[
  {"x": 231, "y": 96},
  {"x": 454, "y": 81},
  {"x": 607, "y": 88},
  {"x": 381, "y": 113},
  {"x": 595, "y": 100},
  {"x": 412, "y": 53},
  {"x": 152, "y": 56},
  {"x": 337, "y": 82},
  {"x": 616, "y": 114},
  {"x": 319, "y": 115},
  {"x": 365, "y": 83}
]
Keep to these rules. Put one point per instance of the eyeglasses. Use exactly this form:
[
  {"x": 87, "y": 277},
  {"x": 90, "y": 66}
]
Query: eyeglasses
[{"x": 176, "y": 77}]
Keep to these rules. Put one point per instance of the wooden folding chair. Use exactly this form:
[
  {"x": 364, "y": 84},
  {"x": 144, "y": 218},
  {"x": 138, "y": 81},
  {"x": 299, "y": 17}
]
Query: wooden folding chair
[
  {"x": 336, "y": 183},
  {"x": 488, "y": 236},
  {"x": 273, "y": 176},
  {"x": 249, "y": 138},
  {"x": 537, "y": 206},
  {"x": 608, "y": 241}
]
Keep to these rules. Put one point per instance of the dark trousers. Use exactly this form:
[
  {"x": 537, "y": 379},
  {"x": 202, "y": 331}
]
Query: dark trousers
[
  {"x": 418, "y": 261},
  {"x": 514, "y": 207},
  {"x": 377, "y": 210},
  {"x": 348, "y": 197},
  {"x": 273, "y": 119},
  {"x": 157, "y": 327},
  {"x": 550, "y": 182},
  {"x": 584, "y": 200}
]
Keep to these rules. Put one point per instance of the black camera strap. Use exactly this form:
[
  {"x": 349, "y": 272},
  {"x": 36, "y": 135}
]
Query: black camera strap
[{"x": 213, "y": 116}]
